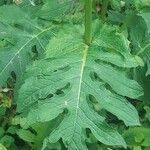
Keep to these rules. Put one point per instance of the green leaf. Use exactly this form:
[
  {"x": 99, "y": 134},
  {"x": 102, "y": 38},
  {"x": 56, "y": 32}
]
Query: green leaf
[
  {"x": 7, "y": 140},
  {"x": 2, "y": 131},
  {"x": 26, "y": 135},
  {"x": 12, "y": 130},
  {"x": 140, "y": 38},
  {"x": 146, "y": 17},
  {"x": 139, "y": 75},
  {"x": 24, "y": 37},
  {"x": 147, "y": 109},
  {"x": 2, "y": 147},
  {"x": 137, "y": 148},
  {"x": 140, "y": 41},
  {"x": 56, "y": 9},
  {"x": 139, "y": 136},
  {"x": 116, "y": 4},
  {"x": 2, "y": 110},
  {"x": 141, "y": 3},
  {"x": 116, "y": 17},
  {"x": 71, "y": 75},
  {"x": 38, "y": 138}
]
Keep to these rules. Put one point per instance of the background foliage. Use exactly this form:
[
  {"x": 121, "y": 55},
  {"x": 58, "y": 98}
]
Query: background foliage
[{"x": 26, "y": 27}]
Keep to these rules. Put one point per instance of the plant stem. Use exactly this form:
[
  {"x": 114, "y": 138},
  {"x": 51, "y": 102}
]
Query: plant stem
[
  {"x": 88, "y": 22},
  {"x": 104, "y": 9}
]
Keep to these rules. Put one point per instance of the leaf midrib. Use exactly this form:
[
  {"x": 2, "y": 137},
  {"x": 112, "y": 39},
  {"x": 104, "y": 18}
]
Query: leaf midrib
[{"x": 85, "y": 52}]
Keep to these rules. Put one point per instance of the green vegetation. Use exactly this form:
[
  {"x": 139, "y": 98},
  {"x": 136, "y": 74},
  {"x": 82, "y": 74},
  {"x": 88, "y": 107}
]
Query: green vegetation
[{"x": 74, "y": 74}]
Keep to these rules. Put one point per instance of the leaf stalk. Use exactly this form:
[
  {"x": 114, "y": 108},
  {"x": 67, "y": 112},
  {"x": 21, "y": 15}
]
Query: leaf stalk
[{"x": 88, "y": 22}]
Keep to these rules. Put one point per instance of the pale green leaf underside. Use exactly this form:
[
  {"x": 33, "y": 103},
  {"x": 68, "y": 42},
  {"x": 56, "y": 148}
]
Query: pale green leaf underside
[
  {"x": 21, "y": 34},
  {"x": 71, "y": 76}
]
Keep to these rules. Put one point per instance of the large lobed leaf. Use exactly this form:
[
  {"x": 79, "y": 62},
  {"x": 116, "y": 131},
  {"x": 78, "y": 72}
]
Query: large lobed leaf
[
  {"x": 23, "y": 37},
  {"x": 73, "y": 78}
]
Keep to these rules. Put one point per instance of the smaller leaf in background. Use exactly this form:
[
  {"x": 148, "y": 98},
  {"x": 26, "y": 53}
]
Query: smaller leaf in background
[
  {"x": 37, "y": 134},
  {"x": 137, "y": 148},
  {"x": 56, "y": 9},
  {"x": 116, "y": 17},
  {"x": 7, "y": 141},
  {"x": 2, "y": 110},
  {"x": 6, "y": 101},
  {"x": 145, "y": 2},
  {"x": 2, "y": 147},
  {"x": 53, "y": 146},
  {"x": 140, "y": 4},
  {"x": 147, "y": 109},
  {"x": 146, "y": 17},
  {"x": 2, "y": 131},
  {"x": 140, "y": 43},
  {"x": 139, "y": 136},
  {"x": 12, "y": 130},
  {"x": 116, "y": 4},
  {"x": 139, "y": 37},
  {"x": 26, "y": 135},
  {"x": 145, "y": 82}
]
